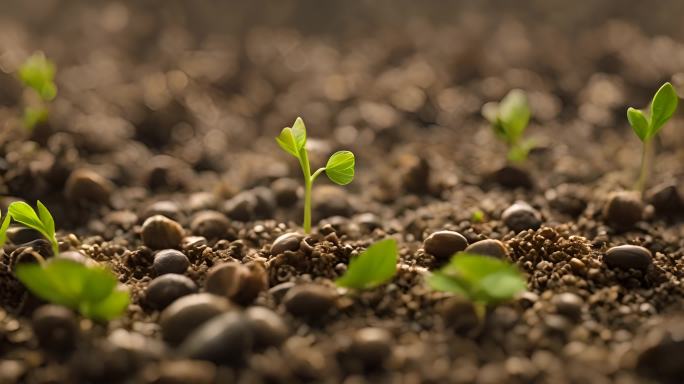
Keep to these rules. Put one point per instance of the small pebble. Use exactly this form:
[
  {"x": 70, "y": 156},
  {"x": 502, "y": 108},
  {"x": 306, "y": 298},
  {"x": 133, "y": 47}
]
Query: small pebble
[
  {"x": 521, "y": 216},
  {"x": 666, "y": 199},
  {"x": 160, "y": 232},
  {"x": 628, "y": 257},
  {"x": 225, "y": 339},
  {"x": 444, "y": 244},
  {"x": 55, "y": 328},
  {"x": 623, "y": 210},
  {"x": 513, "y": 177},
  {"x": 165, "y": 208},
  {"x": 286, "y": 191},
  {"x": 189, "y": 312},
  {"x": 488, "y": 247},
  {"x": 372, "y": 346},
  {"x": 459, "y": 314},
  {"x": 330, "y": 200},
  {"x": 269, "y": 328},
  {"x": 568, "y": 304},
  {"x": 241, "y": 207},
  {"x": 309, "y": 300},
  {"x": 286, "y": 242},
  {"x": 210, "y": 224},
  {"x": 87, "y": 185},
  {"x": 170, "y": 261},
  {"x": 165, "y": 289}
]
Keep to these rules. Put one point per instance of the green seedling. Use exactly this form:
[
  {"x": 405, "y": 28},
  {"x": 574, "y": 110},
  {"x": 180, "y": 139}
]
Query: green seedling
[
  {"x": 91, "y": 290},
  {"x": 3, "y": 228},
  {"x": 646, "y": 127},
  {"x": 41, "y": 221},
  {"x": 477, "y": 216},
  {"x": 483, "y": 280},
  {"x": 509, "y": 118},
  {"x": 340, "y": 166},
  {"x": 38, "y": 74},
  {"x": 374, "y": 266}
]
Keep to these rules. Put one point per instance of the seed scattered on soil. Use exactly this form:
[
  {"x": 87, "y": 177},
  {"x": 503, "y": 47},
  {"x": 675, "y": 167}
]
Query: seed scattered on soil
[
  {"x": 165, "y": 289},
  {"x": 628, "y": 257},
  {"x": 623, "y": 209},
  {"x": 170, "y": 261},
  {"x": 269, "y": 328},
  {"x": 225, "y": 339},
  {"x": 488, "y": 247},
  {"x": 569, "y": 305},
  {"x": 459, "y": 314},
  {"x": 210, "y": 224},
  {"x": 666, "y": 199},
  {"x": 55, "y": 328},
  {"x": 239, "y": 282},
  {"x": 286, "y": 191},
  {"x": 160, "y": 232},
  {"x": 521, "y": 216},
  {"x": 86, "y": 185},
  {"x": 444, "y": 244},
  {"x": 286, "y": 242},
  {"x": 372, "y": 346},
  {"x": 189, "y": 312},
  {"x": 165, "y": 208},
  {"x": 511, "y": 176},
  {"x": 309, "y": 300}
]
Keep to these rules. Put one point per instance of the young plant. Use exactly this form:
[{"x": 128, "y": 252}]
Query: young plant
[
  {"x": 91, "y": 290},
  {"x": 3, "y": 228},
  {"x": 509, "y": 118},
  {"x": 340, "y": 166},
  {"x": 41, "y": 222},
  {"x": 38, "y": 73},
  {"x": 483, "y": 280},
  {"x": 646, "y": 127},
  {"x": 374, "y": 266}
]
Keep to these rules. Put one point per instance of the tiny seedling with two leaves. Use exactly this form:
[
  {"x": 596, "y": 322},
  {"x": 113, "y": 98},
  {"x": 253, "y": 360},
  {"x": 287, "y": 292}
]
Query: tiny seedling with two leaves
[
  {"x": 38, "y": 74},
  {"x": 373, "y": 267},
  {"x": 91, "y": 290},
  {"x": 647, "y": 126},
  {"x": 483, "y": 280},
  {"x": 339, "y": 168},
  {"x": 509, "y": 119}
]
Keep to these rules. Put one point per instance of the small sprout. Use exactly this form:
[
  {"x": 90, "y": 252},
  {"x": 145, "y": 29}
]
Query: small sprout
[
  {"x": 41, "y": 222},
  {"x": 509, "y": 118},
  {"x": 92, "y": 291},
  {"x": 477, "y": 216},
  {"x": 663, "y": 106},
  {"x": 374, "y": 266},
  {"x": 38, "y": 73},
  {"x": 483, "y": 280},
  {"x": 340, "y": 166},
  {"x": 3, "y": 228}
]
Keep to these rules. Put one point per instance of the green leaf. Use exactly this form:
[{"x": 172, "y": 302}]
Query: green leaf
[
  {"x": 438, "y": 281},
  {"x": 113, "y": 306},
  {"x": 46, "y": 218},
  {"x": 3, "y": 229},
  {"x": 41, "y": 282},
  {"x": 98, "y": 284},
  {"x": 373, "y": 267},
  {"x": 340, "y": 167},
  {"x": 514, "y": 113},
  {"x": 503, "y": 285},
  {"x": 24, "y": 214},
  {"x": 299, "y": 133},
  {"x": 38, "y": 73},
  {"x": 638, "y": 122},
  {"x": 663, "y": 106},
  {"x": 287, "y": 142}
]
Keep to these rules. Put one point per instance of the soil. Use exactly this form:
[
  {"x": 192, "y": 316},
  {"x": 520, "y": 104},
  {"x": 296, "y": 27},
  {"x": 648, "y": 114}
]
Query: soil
[{"x": 167, "y": 112}]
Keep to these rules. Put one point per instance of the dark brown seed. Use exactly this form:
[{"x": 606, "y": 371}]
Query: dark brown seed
[
  {"x": 513, "y": 177},
  {"x": 372, "y": 346},
  {"x": 210, "y": 224},
  {"x": 568, "y": 304},
  {"x": 460, "y": 315},
  {"x": 521, "y": 216},
  {"x": 268, "y": 328},
  {"x": 666, "y": 199},
  {"x": 165, "y": 289},
  {"x": 444, "y": 244},
  {"x": 160, "y": 232},
  {"x": 170, "y": 261},
  {"x": 189, "y": 312},
  {"x": 623, "y": 210},
  {"x": 286, "y": 242},
  {"x": 55, "y": 328},
  {"x": 87, "y": 185},
  {"x": 628, "y": 257},
  {"x": 225, "y": 339},
  {"x": 488, "y": 247},
  {"x": 330, "y": 200},
  {"x": 309, "y": 300},
  {"x": 165, "y": 208},
  {"x": 238, "y": 282}
]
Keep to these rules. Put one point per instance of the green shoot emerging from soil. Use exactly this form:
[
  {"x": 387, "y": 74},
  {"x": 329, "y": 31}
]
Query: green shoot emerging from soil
[
  {"x": 38, "y": 73},
  {"x": 92, "y": 291},
  {"x": 3, "y": 228},
  {"x": 483, "y": 280},
  {"x": 663, "y": 106},
  {"x": 509, "y": 119},
  {"x": 41, "y": 222},
  {"x": 340, "y": 166},
  {"x": 373, "y": 267}
]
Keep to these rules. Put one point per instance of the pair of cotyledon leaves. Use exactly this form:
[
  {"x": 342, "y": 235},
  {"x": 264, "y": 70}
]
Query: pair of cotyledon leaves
[
  {"x": 340, "y": 166},
  {"x": 91, "y": 290},
  {"x": 663, "y": 106},
  {"x": 510, "y": 117},
  {"x": 38, "y": 73}
]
